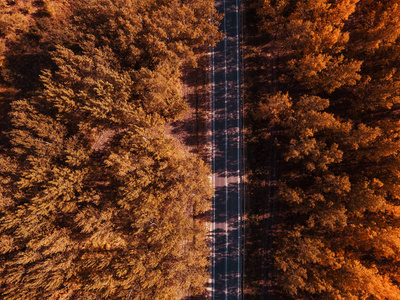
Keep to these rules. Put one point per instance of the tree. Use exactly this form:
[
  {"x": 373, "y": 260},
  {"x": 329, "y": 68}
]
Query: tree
[
  {"x": 333, "y": 214},
  {"x": 96, "y": 201},
  {"x": 313, "y": 33},
  {"x": 335, "y": 126},
  {"x": 28, "y": 29},
  {"x": 113, "y": 226}
]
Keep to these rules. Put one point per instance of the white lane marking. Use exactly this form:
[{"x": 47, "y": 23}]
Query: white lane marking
[
  {"x": 226, "y": 151},
  {"x": 238, "y": 147},
  {"x": 243, "y": 153},
  {"x": 213, "y": 166},
  {"x": 226, "y": 160}
]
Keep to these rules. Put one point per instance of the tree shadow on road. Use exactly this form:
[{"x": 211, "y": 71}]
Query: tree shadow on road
[{"x": 262, "y": 162}]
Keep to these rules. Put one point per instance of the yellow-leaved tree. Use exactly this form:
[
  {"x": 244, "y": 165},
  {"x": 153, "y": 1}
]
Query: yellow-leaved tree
[{"x": 96, "y": 200}]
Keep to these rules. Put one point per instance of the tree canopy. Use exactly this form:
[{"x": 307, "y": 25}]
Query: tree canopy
[
  {"x": 96, "y": 201},
  {"x": 333, "y": 108}
]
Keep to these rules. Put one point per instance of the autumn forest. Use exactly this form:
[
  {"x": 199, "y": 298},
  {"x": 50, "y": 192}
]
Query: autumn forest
[
  {"x": 323, "y": 112},
  {"x": 99, "y": 201},
  {"x": 96, "y": 200}
]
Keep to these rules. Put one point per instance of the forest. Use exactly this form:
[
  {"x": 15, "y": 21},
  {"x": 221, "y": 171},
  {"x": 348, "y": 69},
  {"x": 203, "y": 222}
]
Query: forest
[
  {"x": 97, "y": 201},
  {"x": 323, "y": 114}
]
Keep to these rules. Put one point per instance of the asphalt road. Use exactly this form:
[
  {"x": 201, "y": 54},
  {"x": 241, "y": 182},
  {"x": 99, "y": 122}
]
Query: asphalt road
[{"x": 227, "y": 277}]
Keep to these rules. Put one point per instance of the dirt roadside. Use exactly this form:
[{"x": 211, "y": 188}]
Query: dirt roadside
[{"x": 193, "y": 130}]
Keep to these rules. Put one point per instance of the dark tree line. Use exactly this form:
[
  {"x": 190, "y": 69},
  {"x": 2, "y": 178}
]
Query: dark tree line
[{"x": 334, "y": 107}]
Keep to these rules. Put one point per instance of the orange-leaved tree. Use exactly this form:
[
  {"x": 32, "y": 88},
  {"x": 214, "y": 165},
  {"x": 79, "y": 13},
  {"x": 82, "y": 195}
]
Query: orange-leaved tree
[{"x": 96, "y": 200}]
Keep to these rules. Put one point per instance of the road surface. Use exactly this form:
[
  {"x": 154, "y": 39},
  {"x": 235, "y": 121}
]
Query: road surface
[{"x": 227, "y": 274}]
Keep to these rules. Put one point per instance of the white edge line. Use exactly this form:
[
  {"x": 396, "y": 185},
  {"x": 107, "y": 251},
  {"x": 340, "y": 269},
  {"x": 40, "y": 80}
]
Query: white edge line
[
  {"x": 226, "y": 159},
  {"x": 213, "y": 166},
  {"x": 243, "y": 148},
  {"x": 238, "y": 147}
]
